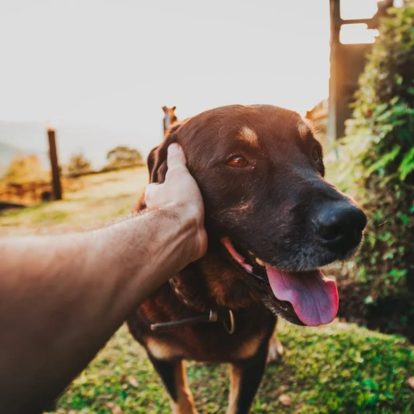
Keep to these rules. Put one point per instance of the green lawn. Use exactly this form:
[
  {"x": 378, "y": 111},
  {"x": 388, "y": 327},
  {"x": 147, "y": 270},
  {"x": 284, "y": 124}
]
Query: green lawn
[
  {"x": 337, "y": 369},
  {"x": 98, "y": 199},
  {"x": 340, "y": 368}
]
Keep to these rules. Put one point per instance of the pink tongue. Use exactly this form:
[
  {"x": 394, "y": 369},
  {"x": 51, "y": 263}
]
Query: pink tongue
[{"x": 313, "y": 297}]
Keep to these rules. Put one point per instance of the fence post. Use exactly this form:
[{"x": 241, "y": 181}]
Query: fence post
[{"x": 54, "y": 164}]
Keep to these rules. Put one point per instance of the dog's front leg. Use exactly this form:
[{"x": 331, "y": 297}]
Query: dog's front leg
[
  {"x": 174, "y": 377},
  {"x": 245, "y": 378}
]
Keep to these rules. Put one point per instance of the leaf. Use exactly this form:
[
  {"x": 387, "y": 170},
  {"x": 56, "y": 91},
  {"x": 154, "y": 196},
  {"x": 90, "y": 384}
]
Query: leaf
[
  {"x": 405, "y": 219},
  {"x": 384, "y": 160},
  {"x": 369, "y": 384},
  {"x": 407, "y": 164},
  {"x": 398, "y": 273},
  {"x": 285, "y": 400},
  {"x": 369, "y": 300},
  {"x": 132, "y": 381},
  {"x": 115, "y": 409}
]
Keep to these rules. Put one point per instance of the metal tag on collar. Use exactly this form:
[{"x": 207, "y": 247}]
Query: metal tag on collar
[{"x": 229, "y": 323}]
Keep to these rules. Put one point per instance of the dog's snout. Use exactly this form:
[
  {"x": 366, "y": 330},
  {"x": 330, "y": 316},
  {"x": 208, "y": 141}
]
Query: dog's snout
[{"x": 339, "y": 225}]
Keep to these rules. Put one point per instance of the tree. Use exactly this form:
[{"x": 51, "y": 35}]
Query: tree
[
  {"x": 123, "y": 156},
  {"x": 25, "y": 169},
  {"x": 381, "y": 143},
  {"x": 78, "y": 164}
]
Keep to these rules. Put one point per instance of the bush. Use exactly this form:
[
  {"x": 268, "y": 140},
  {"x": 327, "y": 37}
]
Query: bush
[
  {"x": 78, "y": 165},
  {"x": 24, "y": 169},
  {"x": 380, "y": 147},
  {"x": 123, "y": 156}
]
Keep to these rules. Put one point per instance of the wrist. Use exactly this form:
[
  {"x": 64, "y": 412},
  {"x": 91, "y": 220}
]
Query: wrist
[{"x": 189, "y": 229}]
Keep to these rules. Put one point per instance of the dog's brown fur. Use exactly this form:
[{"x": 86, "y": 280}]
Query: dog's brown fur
[{"x": 214, "y": 282}]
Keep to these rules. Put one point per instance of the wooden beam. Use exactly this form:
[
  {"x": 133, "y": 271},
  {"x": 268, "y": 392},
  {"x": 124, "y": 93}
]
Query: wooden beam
[{"x": 54, "y": 164}]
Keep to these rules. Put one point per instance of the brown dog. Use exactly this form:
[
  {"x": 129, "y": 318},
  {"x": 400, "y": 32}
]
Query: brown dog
[{"x": 272, "y": 220}]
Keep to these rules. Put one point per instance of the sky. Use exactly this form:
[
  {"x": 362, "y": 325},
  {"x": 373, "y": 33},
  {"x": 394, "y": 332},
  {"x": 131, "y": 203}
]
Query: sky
[{"x": 100, "y": 70}]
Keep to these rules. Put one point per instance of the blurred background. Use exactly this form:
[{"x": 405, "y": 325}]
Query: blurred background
[{"x": 82, "y": 86}]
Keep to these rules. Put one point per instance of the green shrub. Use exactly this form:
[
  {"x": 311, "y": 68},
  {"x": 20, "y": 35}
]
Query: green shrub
[
  {"x": 380, "y": 147},
  {"x": 123, "y": 156},
  {"x": 25, "y": 169},
  {"x": 78, "y": 165}
]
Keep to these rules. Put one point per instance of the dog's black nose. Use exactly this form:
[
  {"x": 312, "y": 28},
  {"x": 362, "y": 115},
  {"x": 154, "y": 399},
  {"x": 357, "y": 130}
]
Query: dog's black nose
[{"x": 339, "y": 225}]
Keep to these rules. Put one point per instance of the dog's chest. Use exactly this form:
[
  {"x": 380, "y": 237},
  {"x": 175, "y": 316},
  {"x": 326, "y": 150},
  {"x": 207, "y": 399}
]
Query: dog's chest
[
  {"x": 162, "y": 348},
  {"x": 212, "y": 341}
]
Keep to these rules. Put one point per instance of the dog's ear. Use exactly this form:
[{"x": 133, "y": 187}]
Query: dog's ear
[
  {"x": 157, "y": 158},
  {"x": 157, "y": 167},
  {"x": 157, "y": 164},
  {"x": 151, "y": 160}
]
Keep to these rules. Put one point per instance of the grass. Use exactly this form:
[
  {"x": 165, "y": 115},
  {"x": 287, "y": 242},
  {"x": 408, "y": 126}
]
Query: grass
[
  {"x": 336, "y": 369},
  {"x": 341, "y": 368},
  {"x": 96, "y": 199}
]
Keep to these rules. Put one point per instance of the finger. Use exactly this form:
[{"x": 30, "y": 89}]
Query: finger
[
  {"x": 175, "y": 157},
  {"x": 149, "y": 192}
]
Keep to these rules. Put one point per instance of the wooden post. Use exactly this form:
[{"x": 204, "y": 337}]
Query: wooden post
[
  {"x": 54, "y": 164},
  {"x": 347, "y": 61}
]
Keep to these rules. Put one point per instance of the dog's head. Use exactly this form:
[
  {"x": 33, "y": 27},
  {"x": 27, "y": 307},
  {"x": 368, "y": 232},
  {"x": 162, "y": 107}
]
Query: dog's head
[{"x": 268, "y": 208}]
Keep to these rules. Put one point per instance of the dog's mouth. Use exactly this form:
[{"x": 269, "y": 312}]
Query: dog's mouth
[{"x": 312, "y": 296}]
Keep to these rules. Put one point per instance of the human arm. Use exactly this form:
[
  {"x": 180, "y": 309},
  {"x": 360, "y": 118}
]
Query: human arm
[{"x": 62, "y": 297}]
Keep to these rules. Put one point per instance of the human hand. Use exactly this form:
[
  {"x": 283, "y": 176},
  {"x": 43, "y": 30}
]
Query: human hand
[{"x": 179, "y": 193}]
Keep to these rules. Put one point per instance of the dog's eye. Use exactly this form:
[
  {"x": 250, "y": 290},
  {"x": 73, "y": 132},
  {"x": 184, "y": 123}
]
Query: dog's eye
[{"x": 237, "y": 161}]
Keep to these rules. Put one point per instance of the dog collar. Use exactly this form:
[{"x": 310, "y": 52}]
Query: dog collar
[
  {"x": 223, "y": 315},
  {"x": 226, "y": 317}
]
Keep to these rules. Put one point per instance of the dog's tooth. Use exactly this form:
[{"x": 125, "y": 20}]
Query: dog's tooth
[{"x": 260, "y": 262}]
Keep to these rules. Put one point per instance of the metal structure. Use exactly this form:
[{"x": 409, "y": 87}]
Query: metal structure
[
  {"x": 347, "y": 62},
  {"x": 54, "y": 164}
]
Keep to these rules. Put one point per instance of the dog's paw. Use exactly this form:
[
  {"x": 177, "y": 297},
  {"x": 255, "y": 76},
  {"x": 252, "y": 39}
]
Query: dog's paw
[{"x": 276, "y": 351}]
